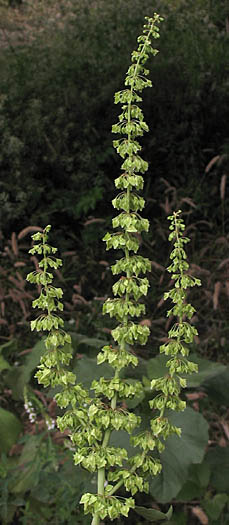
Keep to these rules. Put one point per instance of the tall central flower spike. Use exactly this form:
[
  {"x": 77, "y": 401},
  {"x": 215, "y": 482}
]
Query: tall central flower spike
[{"x": 129, "y": 224}]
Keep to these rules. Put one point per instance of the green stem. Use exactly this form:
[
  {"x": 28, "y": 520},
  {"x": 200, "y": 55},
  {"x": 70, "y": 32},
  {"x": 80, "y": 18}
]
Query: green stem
[
  {"x": 121, "y": 482},
  {"x": 180, "y": 317},
  {"x": 95, "y": 520},
  {"x": 115, "y": 488},
  {"x": 108, "y": 432},
  {"x": 101, "y": 471},
  {"x": 101, "y": 481}
]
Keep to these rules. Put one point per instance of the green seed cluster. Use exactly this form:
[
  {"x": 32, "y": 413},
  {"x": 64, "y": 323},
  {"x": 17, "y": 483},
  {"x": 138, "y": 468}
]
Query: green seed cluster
[
  {"x": 92, "y": 415},
  {"x": 181, "y": 333}
]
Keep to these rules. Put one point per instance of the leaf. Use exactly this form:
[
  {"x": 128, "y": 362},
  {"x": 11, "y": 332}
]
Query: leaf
[
  {"x": 217, "y": 387},
  {"x": 153, "y": 514},
  {"x": 33, "y": 360},
  {"x": 87, "y": 370},
  {"x": 218, "y": 460},
  {"x": 121, "y": 439},
  {"x": 82, "y": 343},
  {"x": 215, "y": 505},
  {"x": 42, "y": 511},
  {"x": 207, "y": 370},
  {"x": 190, "y": 491},
  {"x": 4, "y": 365},
  {"x": 11, "y": 346},
  {"x": 197, "y": 482},
  {"x": 156, "y": 367},
  {"x": 20, "y": 376},
  {"x": 200, "y": 473},
  {"x": 179, "y": 518},
  {"x": 10, "y": 428},
  {"x": 30, "y": 464},
  {"x": 179, "y": 454}
]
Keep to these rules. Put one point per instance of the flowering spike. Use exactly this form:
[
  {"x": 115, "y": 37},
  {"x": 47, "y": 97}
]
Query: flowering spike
[{"x": 181, "y": 333}]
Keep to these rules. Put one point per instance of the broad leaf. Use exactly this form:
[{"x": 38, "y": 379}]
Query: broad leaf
[
  {"x": 197, "y": 482},
  {"x": 87, "y": 370},
  {"x": 82, "y": 343},
  {"x": 156, "y": 367},
  {"x": 153, "y": 515},
  {"x": 207, "y": 371},
  {"x": 10, "y": 428},
  {"x": 30, "y": 465},
  {"x": 179, "y": 518},
  {"x": 215, "y": 505},
  {"x": 218, "y": 460},
  {"x": 4, "y": 365},
  {"x": 180, "y": 453},
  {"x": 33, "y": 360},
  {"x": 217, "y": 387},
  {"x": 122, "y": 439},
  {"x": 11, "y": 346},
  {"x": 20, "y": 376}
]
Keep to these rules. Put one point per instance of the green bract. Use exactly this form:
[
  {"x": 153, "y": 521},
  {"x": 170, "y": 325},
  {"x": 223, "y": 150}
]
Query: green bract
[{"x": 92, "y": 415}]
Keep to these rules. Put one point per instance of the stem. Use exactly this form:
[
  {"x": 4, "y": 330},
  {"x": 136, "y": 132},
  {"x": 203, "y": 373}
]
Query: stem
[
  {"x": 46, "y": 286},
  {"x": 121, "y": 482},
  {"x": 95, "y": 520},
  {"x": 101, "y": 481},
  {"x": 180, "y": 317},
  {"x": 101, "y": 471},
  {"x": 108, "y": 432}
]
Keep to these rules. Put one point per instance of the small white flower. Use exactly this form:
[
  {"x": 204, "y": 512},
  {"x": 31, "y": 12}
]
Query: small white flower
[{"x": 51, "y": 423}]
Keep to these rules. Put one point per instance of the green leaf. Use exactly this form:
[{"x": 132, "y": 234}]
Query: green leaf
[
  {"x": 33, "y": 360},
  {"x": 29, "y": 463},
  {"x": 190, "y": 491},
  {"x": 179, "y": 518},
  {"x": 122, "y": 440},
  {"x": 198, "y": 480},
  {"x": 18, "y": 377},
  {"x": 86, "y": 371},
  {"x": 218, "y": 460},
  {"x": 180, "y": 453},
  {"x": 206, "y": 371},
  {"x": 215, "y": 505},
  {"x": 153, "y": 514},
  {"x": 11, "y": 346},
  {"x": 10, "y": 428},
  {"x": 156, "y": 367},
  {"x": 83, "y": 344},
  {"x": 200, "y": 473},
  {"x": 4, "y": 365},
  {"x": 217, "y": 385}
]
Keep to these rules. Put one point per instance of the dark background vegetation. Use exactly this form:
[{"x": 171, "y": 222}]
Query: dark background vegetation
[{"x": 61, "y": 63}]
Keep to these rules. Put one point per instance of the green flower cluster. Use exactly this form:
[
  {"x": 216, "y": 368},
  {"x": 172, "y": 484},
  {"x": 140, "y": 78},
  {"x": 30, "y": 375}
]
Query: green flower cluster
[
  {"x": 92, "y": 415},
  {"x": 181, "y": 333},
  {"x": 91, "y": 420}
]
